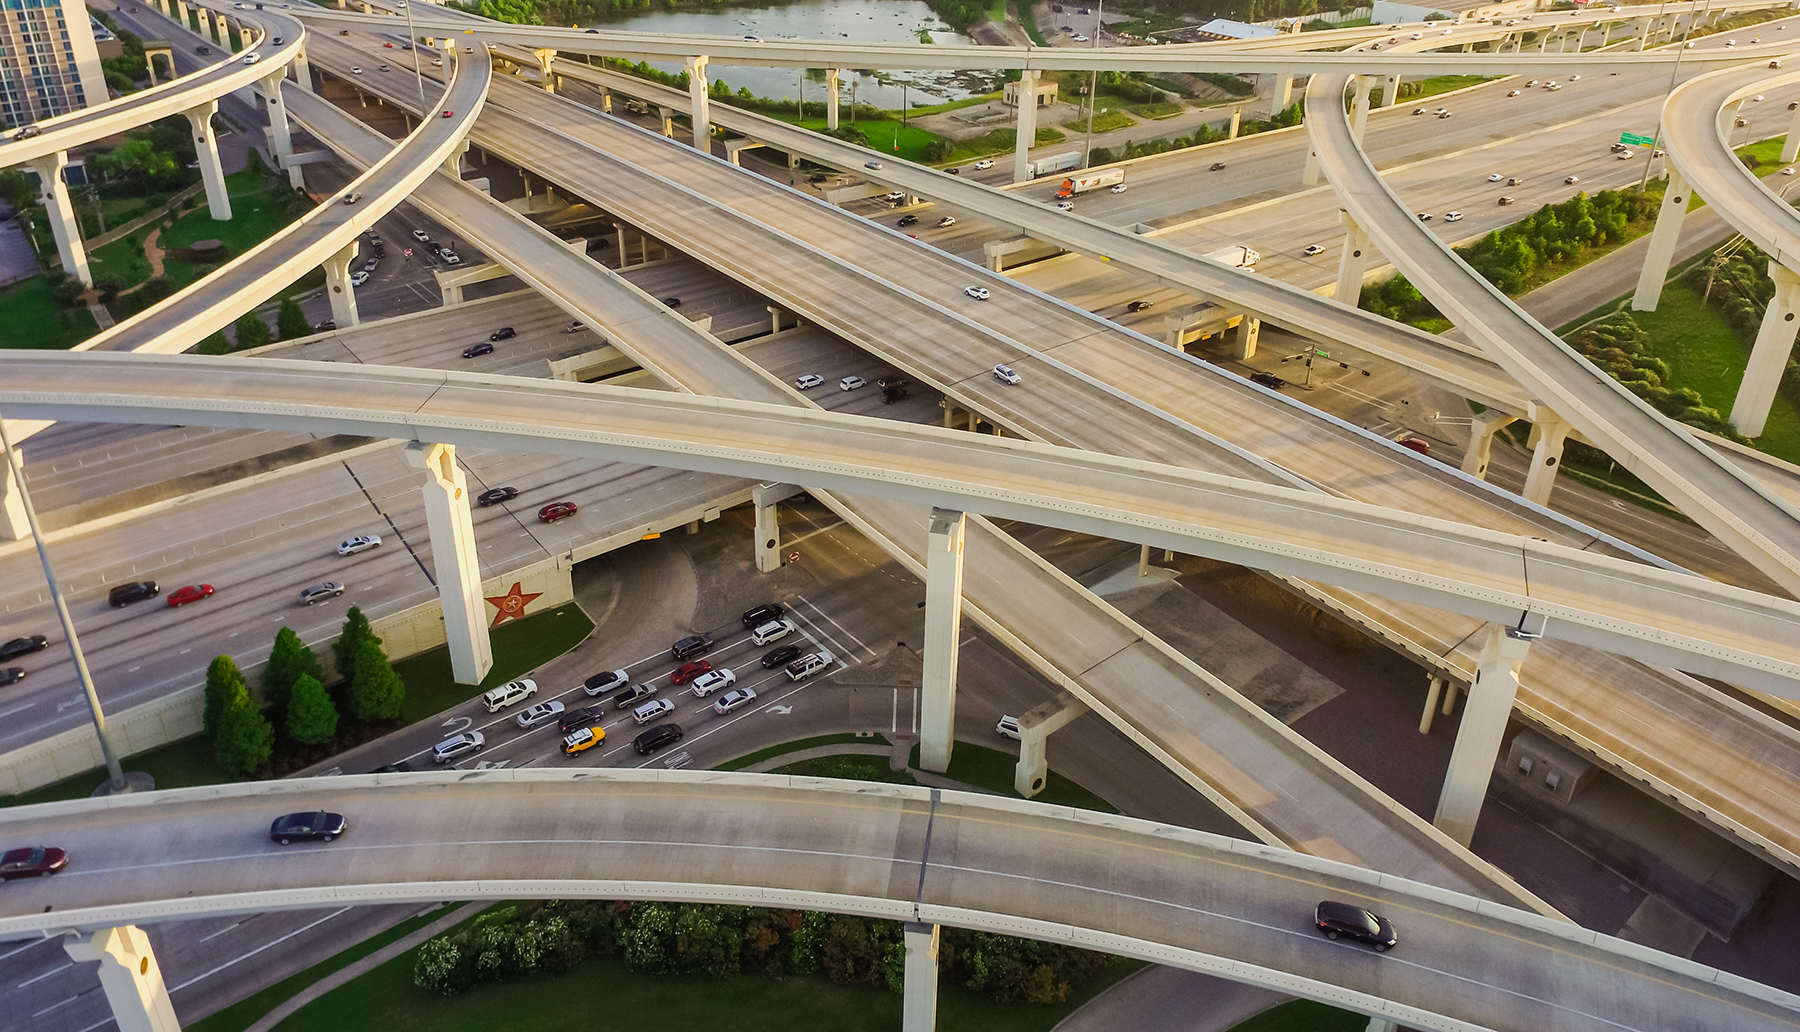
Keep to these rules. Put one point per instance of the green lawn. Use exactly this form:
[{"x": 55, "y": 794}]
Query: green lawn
[
  {"x": 1028, "y": 19},
  {"x": 1443, "y": 84},
  {"x": 805, "y": 743},
  {"x": 992, "y": 769},
  {"x": 33, "y": 320},
  {"x": 519, "y": 646},
  {"x": 952, "y": 105},
  {"x": 1104, "y": 122},
  {"x": 1762, "y": 153},
  {"x": 255, "y": 217},
  {"x": 1165, "y": 110},
  {"x": 1304, "y": 1016},
  {"x": 182, "y": 764},
  {"x": 122, "y": 260}
]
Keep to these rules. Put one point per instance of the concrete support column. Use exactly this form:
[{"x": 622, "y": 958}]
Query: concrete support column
[
  {"x": 943, "y": 627},
  {"x": 1768, "y": 359},
  {"x": 1309, "y": 175},
  {"x": 337, "y": 287},
  {"x": 1481, "y": 441},
  {"x": 1033, "y": 770},
  {"x": 1644, "y": 34},
  {"x": 1382, "y": 1025},
  {"x": 453, "y": 557},
  {"x": 1237, "y": 119},
  {"x": 668, "y": 121},
  {"x": 1548, "y": 435},
  {"x": 303, "y": 73},
  {"x": 1283, "y": 97},
  {"x": 1353, "y": 263},
  {"x": 546, "y": 59},
  {"x": 181, "y": 13},
  {"x": 1483, "y": 724},
  {"x": 919, "y": 1000},
  {"x": 206, "y": 149},
  {"x": 1359, "y": 105},
  {"x": 1249, "y": 328},
  {"x": 833, "y": 78},
  {"x": 1027, "y": 97},
  {"x": 54, "y": 192},
  {"x": 279, "y": 137},
  {"x": 605, "y": 99},
  {"x": 1390, "y": 91},
  {"x": 1662, "y": 244},
  {"x": 768, "y": 529},
  {"x": 130, "y": 977},
  {"x": 624, "y": 259},
  {"x": 13, "y": 524},
  {"x": 700, "y": 104},
  {"x": 1790, "y": 147},
  {"x": 1435, "y": 689},
  {"x": 221, "y": 30},
  {"x": 1728, "y": 116}
]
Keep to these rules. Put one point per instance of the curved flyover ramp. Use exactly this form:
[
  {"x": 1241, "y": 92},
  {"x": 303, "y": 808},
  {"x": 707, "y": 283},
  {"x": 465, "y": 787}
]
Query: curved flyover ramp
[
  {"x": 1669, "y": 617},
  {"x": 1717, "y": 494},
  {"x": 1160, "y": 893}
]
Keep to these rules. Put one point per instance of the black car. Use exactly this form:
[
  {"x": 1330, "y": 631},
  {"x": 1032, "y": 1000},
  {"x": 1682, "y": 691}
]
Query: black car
[
  {"x": 1216, "y": 166},
  {"x": 672, "y": 302},
  {"x": 23, "y": 646},
  {"x": 657, "y": 737},
  {"x": 136, "y": 591},
  {"x": 477, "y": 350},
  {"x": 574, "y": 719},
  {"x": 328, "y": 324},
  {"x": 908, "y": 220},
  {"x": 762, "y": 614},
  {"x": 691, "y": 646},
  {"x": 1345, "y": 920},
  {"x": 393, "y": 768},
  {"x": 317, "y": 826},
  {"x": 11, "y": 675},
  {"x": 890, "y": 381},
  {"x": 203, "y": 50},
  {"x": 1269, "y": 380},
  {"x": 1139, "y": 306},
  {"x": 781, "y": 656},
  {"x": 496, "y": 494},
  {"x": 503, "y": 333},
  {"x": 893, "y": 394},
  {"x": 817, "y": 177}
]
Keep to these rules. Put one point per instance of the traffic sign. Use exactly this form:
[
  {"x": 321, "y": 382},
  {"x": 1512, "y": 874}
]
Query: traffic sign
[{"x": 1637, "y": 141}]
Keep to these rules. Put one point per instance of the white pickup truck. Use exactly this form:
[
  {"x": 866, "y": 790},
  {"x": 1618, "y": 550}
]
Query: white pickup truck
[{"x": 808, "y": 665}]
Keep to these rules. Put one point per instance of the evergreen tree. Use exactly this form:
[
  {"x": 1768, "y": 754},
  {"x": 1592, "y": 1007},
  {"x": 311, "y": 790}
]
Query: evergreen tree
[
  {"x": 244, "y": 739},
  {"x": 312, "y": 718},
  {"x": 289, "y": 661},
  {"x": 291, "y": 322},
  {"x": 223, "y": 679},
  {"x": 214, "y": 345},
  {"x": 252, "y": 332},
  {"x": 376, "y": 692},
  {"x": 350, "y": 640}
]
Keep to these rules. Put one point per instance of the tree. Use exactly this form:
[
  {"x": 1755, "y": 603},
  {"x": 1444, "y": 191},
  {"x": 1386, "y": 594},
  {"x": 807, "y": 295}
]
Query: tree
[
  {"x": 350, "y": 642},
  {"x": 214, "y": 345},
  {"x": 65, "y": 290},
  {"x": 139, "y": 162},
  {"x": 292, "y": 322},
  {"x": 376, "y": 692},
  {"x": 312, "y": 718},
  {"x": 289, "y": 661},
  {"x": 243, "y": 739},
  {"x": 252, "y": 332},
  {"x": 223, "y": 679}
]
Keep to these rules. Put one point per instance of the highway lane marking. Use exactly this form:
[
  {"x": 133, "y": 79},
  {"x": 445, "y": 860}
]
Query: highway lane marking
[
  {"x": 17, "y": 709},
  {"x": 259, "y": 949},
  {"x": 60, "y": 1004},
  {"x": 22, "y": 949},
  {"x": 46, "y": 974},
  {"x": 839, "y": 626},
  {"x": 222, "y": 931},
  {"x": 814, "y": 631}
]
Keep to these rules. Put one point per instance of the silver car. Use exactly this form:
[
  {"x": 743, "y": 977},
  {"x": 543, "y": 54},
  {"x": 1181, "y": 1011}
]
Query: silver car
[
  {"x": 542, "y": 713},
  {"x": 463, "y": 744},
  {"x": 359, "y": 543},
  {"x": 321, "y": 592}
]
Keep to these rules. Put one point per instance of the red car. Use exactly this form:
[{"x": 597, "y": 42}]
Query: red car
[
  {"x": 191, "y": 593},
  {"x": 689, "y": 671},
  {"x": 448, "y": 113},
  {"x": 32, "y": 862},
  {"x": 556, "y": 511},
  {"x": 390, "y": 46}
]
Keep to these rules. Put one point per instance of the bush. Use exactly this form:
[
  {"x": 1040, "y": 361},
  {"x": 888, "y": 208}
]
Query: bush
[
  {"x": 376, "y": 692},
  {"x": 350, "y": 642},
  {"x": 291, "y": 322},
  {"x": 312, "y": 718},
  {"x": 66, "y": 290},
  {"x": 252, "y": 332},
  {"x": 243, "y": 739},
  {"x": 109, "y": 287},
  {"x": 289, "y": 660},
  {"x": 214, "y": 345},
  {"x": 223, "y": 679},
  {"x": 1616, "y": 345}
]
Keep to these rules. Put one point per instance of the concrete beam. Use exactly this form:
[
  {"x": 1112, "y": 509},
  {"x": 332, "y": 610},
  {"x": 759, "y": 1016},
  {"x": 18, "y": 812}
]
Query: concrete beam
[
  {"x": 919, "y": 1000},
  {"x": 943, "y": 628},
  {"x": 454, "y": 558},
  {"x": 1662, "y": 244},
  {"x": 1769, "y": 358},
  {"x": 1390, "y": 90},
  {"x": 1483, "y": 724},
  {"x": 1033, "y": 769},
  {"x": 130, "y": 977},
  {"x": 206, "y": 149},
  {"x": 53, "y": 191}
]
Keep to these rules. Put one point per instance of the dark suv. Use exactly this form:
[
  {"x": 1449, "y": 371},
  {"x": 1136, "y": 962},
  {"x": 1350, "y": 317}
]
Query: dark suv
[
  {"x": 137, "y": 591},
  {"x": 503, "y": 333},
  {"x": 762, "y": 614},
  {"x": 691, "y": 646},
  {"x": 1345, "y": 920},
  {"x": 657, "y": 737}
]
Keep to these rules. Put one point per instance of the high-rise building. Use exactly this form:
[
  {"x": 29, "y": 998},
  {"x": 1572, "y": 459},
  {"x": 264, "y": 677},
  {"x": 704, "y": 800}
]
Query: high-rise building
[{"x": 49, "y": 64}]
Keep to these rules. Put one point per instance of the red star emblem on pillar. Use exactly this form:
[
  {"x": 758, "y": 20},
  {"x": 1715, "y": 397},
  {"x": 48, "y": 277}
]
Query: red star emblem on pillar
[{"x": 511, "y": 605}]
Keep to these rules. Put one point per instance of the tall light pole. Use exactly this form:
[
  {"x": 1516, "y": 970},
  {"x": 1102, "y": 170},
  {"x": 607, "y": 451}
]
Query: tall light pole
[
  {"x": 1656, "y": 137},
  {"x": 418, "y": 73},
  {"x": 117, "y": 782},
  {"x": 1087, "y": 149}
]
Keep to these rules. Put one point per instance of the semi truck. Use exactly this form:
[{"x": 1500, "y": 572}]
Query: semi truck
[
  {"x": 1090, "y": 181},
  {"x": 1053, "y": 164},
  {"x": 1237, "y": 255}
]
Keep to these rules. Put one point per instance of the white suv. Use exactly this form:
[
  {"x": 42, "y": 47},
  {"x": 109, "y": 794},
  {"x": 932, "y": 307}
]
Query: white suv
[
  {"x": 708, "y": 683},
  {"x": 774, "y": 630},
  {"x": 651, "y": 710},
  {"x": 509, "y": 693}
]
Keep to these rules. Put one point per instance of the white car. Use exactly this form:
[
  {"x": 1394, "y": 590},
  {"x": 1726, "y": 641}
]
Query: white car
[
  {"x": 893, "y": 197},
  {"x": 1424, "y": 216},
  {"x": 1756, "y": 99},
  {"x": 359, "y": 277},
  {"x": 1079, "y": 38},
  {"x": 252, "y": 57},
  {"x": 450, "y": 257},
  {"x": 421, "y": 236},
  {"x": 1515, "y": 93},
  {"x": 1571, "y": 180},
  {"x": 1005, "y": 374},
  {"x": 946, "y": 222},
  {"x": 1574, "y": 78},
  {"x": 356, "y": 71},
  {"x": 1453, "y": 216},
  {"x": 984, "y": 164},
  {"x": 360, "y": 543},
  {"x": 850, "y": 383},
  {"x": 542, "y": 713},
  {"x": 1626, "y": 155},
  {"x": 1065, "y": 205},
  {"x": 1731, "y": 42},
  {"x": 1312, "y": 249},
  {"x": 1495, "y": 177},
  {"x": 1117, "y": 188},
  {"x": 712, "y": 681},
  {"x": 651, "y": 710},
  {"x": 1008, "y": 728},
  {"x": 1788, "y": 171},
  {"x": 508, "y": 694},
  {"x": 808, "y": 381},
  {"x": 1416, "y": 35},
  {"x": 774, "y": 630},
  {"x": 978, "y": 293},
  {"x": 605, "y": 681},
  {"x": 737, "y": 698}
]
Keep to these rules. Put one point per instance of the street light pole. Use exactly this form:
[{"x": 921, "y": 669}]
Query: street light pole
[
  {"x": 1087, "y": 150},
  {"x": 115, "y": 772},
  {"x": 1656, "y": 137},
  {"x": 418, "y": 73}
]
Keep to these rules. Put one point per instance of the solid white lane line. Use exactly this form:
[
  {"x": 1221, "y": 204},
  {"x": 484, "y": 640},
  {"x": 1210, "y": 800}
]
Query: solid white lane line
[
  {"x": 46, "y": 974},
  {"x": 259, "y": 949}
]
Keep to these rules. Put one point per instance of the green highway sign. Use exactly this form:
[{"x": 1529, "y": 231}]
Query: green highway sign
[
  {"x": 1321, "y": 352},
  {"x": 1637, "y": 141}
]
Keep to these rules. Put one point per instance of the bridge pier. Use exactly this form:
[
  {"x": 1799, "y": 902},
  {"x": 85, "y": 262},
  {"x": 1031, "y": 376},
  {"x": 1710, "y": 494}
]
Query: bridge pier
[
  {"x": 453, "y": 555},
  {"x": 130, "y": 977},
  {"x": 1390, "y": 91},
  {"x": 303, "y": 72},
  {"x": 1353, "y": 264},
  {"x": 206, "y": 150},
  {"x": 1359, "y": 104},
  {"x": 1283, "y": 97},
  {"x": 1027, "y": 98},
  {"x": 338, "y": 288},
  {"x": 1662, "y": 244},
  {"x": 1484, "y": 718},
  {"x": 546, "y": 68},
  {"x": 1790, "y": 148},
  {"x": 699, "y": 103},
  {"x": 919, "y": 1000},
  {"x": 1249, "y": 329},
  {"x": 1033, "y": 769},
  {"x": 768, "y": 528},
  {"x": 668, "y": 121},
  {"x": 54, "y": 192},
  {"x": 14, "y": 526},
  {"x": 1481, "y": 441},
  {"x": 833, "y": 83},
  {"x": 1309, "y": 174},
  {"x": 279, "y": 137},
  {"x": 1548, "y": 435},
  {"x": 1768, "y": 359},
  {"x": 943, "y": 627}
]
